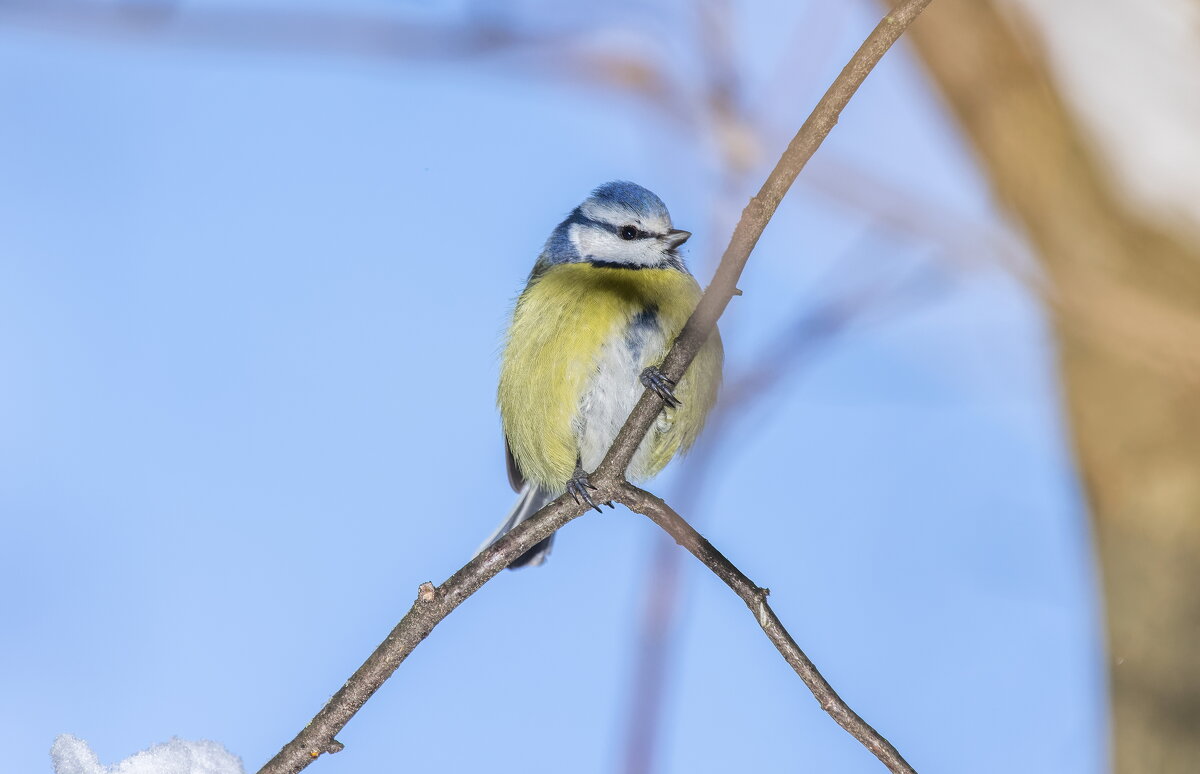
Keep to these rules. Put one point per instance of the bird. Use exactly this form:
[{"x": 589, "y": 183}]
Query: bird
[{"x": 605, "y": 300}]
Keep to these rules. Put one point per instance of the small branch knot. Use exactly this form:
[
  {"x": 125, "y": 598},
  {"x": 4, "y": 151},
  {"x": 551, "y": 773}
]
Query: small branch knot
[
  {"x": 334, "y": 746},
  {"x": 426, "y": 592}
]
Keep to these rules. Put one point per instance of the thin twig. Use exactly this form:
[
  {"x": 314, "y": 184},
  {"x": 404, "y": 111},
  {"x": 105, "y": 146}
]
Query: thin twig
[
  {"x": 750, "y": 227},
  {"x": 660, "y": 513},
  {"x": 435, "y": 603}
]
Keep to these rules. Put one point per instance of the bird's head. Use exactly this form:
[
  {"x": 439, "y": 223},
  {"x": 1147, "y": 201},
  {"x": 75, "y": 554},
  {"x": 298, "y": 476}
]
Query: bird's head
[{"x": 620, "y": 225}]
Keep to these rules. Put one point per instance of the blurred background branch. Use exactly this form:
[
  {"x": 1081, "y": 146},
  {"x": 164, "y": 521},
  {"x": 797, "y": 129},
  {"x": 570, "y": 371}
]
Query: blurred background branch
[{"x": 1126, "y": 307}]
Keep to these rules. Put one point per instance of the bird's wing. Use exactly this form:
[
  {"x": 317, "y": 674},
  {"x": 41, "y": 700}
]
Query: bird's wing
[{"x": 515, "y": 479}]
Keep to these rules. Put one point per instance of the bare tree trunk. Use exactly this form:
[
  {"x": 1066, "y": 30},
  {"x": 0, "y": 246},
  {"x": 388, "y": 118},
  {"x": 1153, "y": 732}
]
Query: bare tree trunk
[{"x": 1125, "y": 295}]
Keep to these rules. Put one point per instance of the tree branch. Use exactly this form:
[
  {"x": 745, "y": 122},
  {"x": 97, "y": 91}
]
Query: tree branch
[
  {"x": 676, "y": 526},
  {"x": 750, "y": 227},
  {"x": 431, "y": 606},
  {"x": 435, "y": 603}
]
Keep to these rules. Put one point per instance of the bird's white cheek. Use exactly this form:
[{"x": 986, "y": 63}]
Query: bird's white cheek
[
  {"x": 588, "y": 241},
  {"x": 605, "y": 246}
]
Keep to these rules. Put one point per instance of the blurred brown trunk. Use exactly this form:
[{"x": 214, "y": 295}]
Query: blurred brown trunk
[{"x": 1125, "y": 295}]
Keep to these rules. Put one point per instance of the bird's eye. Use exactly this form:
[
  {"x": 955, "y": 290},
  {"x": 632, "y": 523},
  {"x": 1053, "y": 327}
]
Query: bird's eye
[{"x": 628, "y": 232}]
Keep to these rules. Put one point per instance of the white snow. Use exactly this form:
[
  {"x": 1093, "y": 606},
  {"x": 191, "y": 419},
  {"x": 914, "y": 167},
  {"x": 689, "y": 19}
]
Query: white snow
[{"x": 72, "y": 755}]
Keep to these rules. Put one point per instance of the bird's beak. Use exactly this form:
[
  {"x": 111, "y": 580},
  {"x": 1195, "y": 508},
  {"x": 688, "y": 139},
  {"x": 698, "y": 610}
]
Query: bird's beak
[{"x": 676, "y": 237}]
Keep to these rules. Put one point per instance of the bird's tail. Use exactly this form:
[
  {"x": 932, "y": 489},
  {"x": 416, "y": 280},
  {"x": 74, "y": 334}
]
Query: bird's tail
[{"x": 529, "y": 501}]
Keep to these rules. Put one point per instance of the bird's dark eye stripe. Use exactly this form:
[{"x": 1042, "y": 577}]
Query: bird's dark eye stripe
[{"x": 632, "y": 232}]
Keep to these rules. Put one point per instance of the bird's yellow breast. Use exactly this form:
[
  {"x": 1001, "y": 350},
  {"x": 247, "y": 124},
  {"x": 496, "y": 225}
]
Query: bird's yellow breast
[{"x": 561, "y": 327}]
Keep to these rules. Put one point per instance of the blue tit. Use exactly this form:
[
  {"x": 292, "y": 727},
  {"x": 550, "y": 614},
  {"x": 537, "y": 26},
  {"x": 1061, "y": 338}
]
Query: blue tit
[{"x": 605, "y": 300}]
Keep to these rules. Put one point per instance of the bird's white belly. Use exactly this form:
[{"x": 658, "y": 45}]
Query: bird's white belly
[{"x": 613, "y": 391}]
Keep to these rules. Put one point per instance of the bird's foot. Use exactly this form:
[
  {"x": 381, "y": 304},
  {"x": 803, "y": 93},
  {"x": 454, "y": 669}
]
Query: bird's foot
[
  {"x": 653, "y": 379},
  {"x": 578, "y": 486}
]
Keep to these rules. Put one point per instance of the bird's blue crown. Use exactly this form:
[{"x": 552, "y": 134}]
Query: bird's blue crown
[{"x": 631, "y": 196}]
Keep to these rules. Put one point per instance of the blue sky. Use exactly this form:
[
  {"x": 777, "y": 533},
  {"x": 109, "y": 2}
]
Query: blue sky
[{"x": 250, "y": 310}]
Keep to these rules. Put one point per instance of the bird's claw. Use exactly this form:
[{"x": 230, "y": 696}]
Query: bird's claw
[
  {"x": 578, "y": 485},
  {"x": 653, "y": 379}
]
